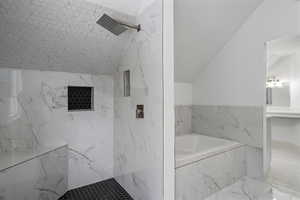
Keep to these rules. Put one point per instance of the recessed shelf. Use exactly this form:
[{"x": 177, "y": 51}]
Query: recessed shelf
[{"x": 80, "y": 98}]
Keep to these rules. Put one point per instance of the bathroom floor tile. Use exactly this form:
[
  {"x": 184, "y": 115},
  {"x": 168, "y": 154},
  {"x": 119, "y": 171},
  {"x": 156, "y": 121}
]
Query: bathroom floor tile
[
  {"x": 106, "y": 190},
  {"x": 285, "y": 167},
  {"x": 249, "y": 189}
]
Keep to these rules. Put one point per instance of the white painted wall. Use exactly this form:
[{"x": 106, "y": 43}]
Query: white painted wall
[
  {"x": 236, "y": 76},
  {"x": 286, "y": 130},
  {"x": 295, "y": 82},
  {"x": 202, "y": 28},
  {"x": 281, "y": 96},
  {"x": 286, "y": 68},
  {"x": 183, "y": 93}
]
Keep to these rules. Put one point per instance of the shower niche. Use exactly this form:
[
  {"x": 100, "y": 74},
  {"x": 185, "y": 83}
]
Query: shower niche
[
  {"x": 80, "y": 98},
  {"x": 126, "y": 80}
]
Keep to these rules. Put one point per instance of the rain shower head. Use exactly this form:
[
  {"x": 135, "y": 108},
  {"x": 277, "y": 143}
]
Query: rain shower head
[{"x": 115, "y": 26}]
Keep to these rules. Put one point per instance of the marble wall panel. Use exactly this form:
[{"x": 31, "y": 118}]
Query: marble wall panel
[
  {"x": 43, "y": 178},
  {"x": 205, "y": 177},
  {"x": 239, "y": 123},
  {"x": 33, "y": 111},
  {"x": 254, "y": 162},
  {"x": 248, "y": 188},
  {"x": 183, "y": 120},
  {"x": 138, "y": 143}
]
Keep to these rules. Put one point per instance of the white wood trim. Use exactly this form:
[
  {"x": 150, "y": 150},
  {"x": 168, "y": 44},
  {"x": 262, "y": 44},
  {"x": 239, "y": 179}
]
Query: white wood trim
[{"x": 169, "y": 102}]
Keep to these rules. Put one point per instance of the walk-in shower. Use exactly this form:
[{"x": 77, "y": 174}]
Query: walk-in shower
[{"x": 81, "y": 100}]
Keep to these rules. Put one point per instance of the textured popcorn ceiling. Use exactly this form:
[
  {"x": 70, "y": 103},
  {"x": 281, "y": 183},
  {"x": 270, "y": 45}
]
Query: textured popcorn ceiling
[
  {"x": 59, "y": 35},
  {"x": 130, "y": 7}
]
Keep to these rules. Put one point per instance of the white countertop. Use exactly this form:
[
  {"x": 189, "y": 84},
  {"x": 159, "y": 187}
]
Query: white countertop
[
  {"x": 12, "y": 159},
  {"x": 282, "y": 112}
]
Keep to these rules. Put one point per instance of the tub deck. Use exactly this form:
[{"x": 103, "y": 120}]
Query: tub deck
[{"x": 195, "y": 147}]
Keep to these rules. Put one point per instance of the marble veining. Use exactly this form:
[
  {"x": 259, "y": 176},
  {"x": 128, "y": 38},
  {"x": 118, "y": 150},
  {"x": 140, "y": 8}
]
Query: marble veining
[
  {"x": 251, "y": 189},
  {"x": 206, "y": 165},
  {"x": 138, "y": 143},
  {"x": 38, "y": 116},
  {"x": 43, "y": 178},
  {"x": 205, "y": 177},
  {"x": 14, "y": 158},
  {"x": 183, "y": 119},
  {"x": 255, "y": 168},
  {"x": 239, "y": 123}
]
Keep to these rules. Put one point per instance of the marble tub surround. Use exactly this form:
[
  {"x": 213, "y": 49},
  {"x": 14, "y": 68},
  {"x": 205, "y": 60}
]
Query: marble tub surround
[
  {"x": 254, "y": 165},
  {"x": 246, "y": 189},
  {"x": 38, "y": 116},
  {"x": 138, "y": 143},
  {"x": 43, "y": 177},
  {"x": 243, "y": 124},
  {"x": 206, "y": 165},
  {"x": 183, "y": 119},
  {"x": 205, "y": 177}
]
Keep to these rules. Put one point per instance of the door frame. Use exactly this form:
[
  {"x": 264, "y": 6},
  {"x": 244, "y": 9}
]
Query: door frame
[{"x": 169, "y": 102}]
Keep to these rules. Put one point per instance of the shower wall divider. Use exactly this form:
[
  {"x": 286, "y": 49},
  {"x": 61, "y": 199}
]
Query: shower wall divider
[{"x": 138, "y": 142}]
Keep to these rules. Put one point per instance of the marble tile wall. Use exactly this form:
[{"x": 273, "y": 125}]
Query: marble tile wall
[
  {"x": 248, "y": 188},
  {"x": 254, "y": 165},
  {"x": 183, "y": 120},
  {"x": 138, "y": 143},
  {"x": 33, "y": 111},
  {"x": 42, "y": 178},
  {"x": 205, "y": 177},
  {"x": 240, "y": 123}
]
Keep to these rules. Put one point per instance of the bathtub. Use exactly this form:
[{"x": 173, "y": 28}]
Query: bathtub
[{"x": 195, "y": 147}]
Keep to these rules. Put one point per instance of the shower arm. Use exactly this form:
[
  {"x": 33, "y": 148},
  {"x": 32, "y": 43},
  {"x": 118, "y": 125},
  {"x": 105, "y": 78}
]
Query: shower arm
[{"x": 136, "y": 27}]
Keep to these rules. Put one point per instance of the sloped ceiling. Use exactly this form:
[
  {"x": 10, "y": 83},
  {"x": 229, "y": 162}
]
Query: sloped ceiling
[
  {"x": 202, "y": 28},
  {"x": 59, "y": 35}
]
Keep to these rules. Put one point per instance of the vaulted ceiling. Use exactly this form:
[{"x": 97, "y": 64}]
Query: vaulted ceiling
[
  {"x": 63, "y": 35},
  {"x": 202, "y": 28}
]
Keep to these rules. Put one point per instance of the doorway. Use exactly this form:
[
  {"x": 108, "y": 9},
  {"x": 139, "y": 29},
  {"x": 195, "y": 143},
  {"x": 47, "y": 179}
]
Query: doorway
[{"x": 283, "y": 113}]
